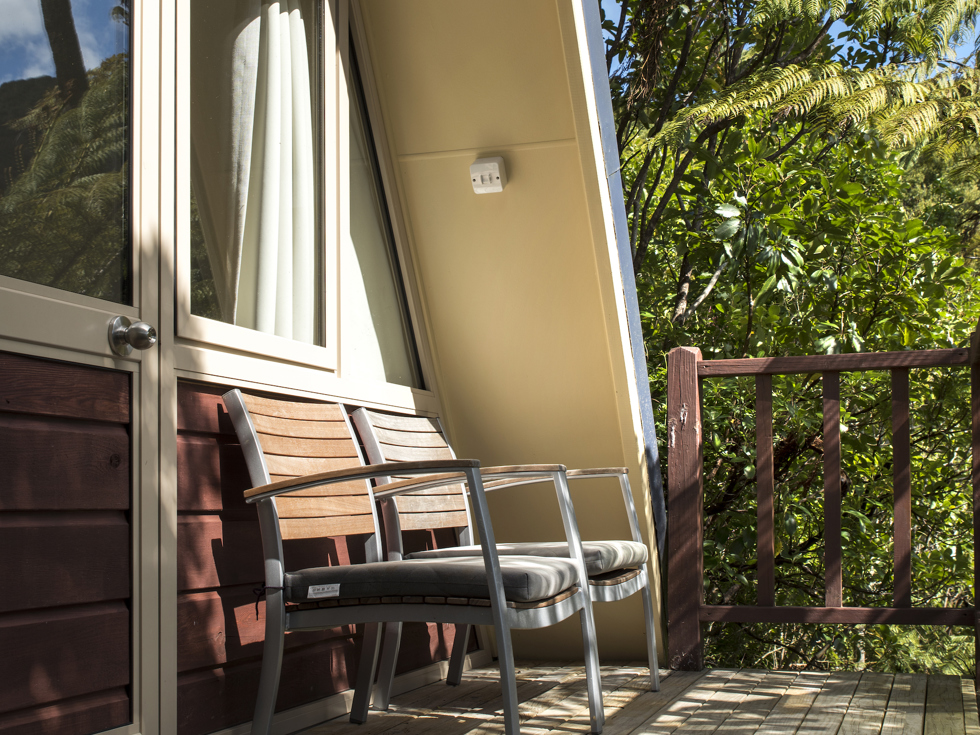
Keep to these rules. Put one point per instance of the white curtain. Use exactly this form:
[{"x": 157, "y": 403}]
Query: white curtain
[{"x": 253, "y": 168}]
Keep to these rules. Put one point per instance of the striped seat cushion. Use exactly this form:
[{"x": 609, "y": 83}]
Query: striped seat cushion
[
  {"x": 525, "y": 579},
  {"x": 601, "y": 557}
]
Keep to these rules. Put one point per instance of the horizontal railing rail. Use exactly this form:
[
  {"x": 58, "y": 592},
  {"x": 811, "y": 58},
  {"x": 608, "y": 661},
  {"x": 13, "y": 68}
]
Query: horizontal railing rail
[{"x": 685, "y": 559}]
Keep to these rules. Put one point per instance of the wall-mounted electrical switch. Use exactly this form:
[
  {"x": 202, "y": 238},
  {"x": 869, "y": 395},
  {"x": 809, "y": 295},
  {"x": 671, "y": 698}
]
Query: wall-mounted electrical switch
[{"x": 488, "y": 175}]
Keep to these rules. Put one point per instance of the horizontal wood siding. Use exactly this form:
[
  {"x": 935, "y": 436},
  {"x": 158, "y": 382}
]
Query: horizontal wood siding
[
  {"x": 220, "y": 628},
  {"x": 65, "y": 542}
]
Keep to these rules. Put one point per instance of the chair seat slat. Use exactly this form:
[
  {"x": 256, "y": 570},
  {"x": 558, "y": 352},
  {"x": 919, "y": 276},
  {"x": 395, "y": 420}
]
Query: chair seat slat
[
  {"x": 415, "y": 454},
  {"x": 298, "y": 447},
  {"x": 354, "y": 487},
  {"x": 323, "y": 506},
  {"x": 299, "y": 466},
  {"x": 293, "y": 410},
  {"x": 426, "y": 521},
  {"x": 429, "y": 503},
  {"x": 410, "y": 438},
  {"x": 299, "y": 528},
  {"x": 300, "y": 428},
  {"x": 403, "y": 423}
]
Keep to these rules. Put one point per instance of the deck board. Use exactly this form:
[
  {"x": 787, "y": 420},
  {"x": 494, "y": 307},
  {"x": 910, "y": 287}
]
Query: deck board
[
  {"x": 944, "y": 706},
  {"x": 866, "y": 710},
  {"x": 553, "y": 700},
  {"x": 906, "y": 706}
]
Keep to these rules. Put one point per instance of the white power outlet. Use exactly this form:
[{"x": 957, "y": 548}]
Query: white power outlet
[{"x": 488, "y": 175}]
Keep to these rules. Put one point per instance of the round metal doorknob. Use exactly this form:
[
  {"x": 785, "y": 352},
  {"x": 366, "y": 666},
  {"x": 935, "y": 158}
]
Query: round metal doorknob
[{"x": 124, "y": 335}]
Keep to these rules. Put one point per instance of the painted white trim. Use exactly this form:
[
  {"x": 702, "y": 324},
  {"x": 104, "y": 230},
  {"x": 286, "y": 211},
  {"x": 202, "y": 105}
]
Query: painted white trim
[
  {"x": 211, "y": 365},
  {"x": 52, "y": 319},
  {"x": 165, "y": 34}
]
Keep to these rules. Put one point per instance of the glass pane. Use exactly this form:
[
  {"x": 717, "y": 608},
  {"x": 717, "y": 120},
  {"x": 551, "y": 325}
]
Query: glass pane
[
  {"x": 254, "y": 162},
  {"x": 64, "y": 145},
  {"x": 376, "y": 338}
]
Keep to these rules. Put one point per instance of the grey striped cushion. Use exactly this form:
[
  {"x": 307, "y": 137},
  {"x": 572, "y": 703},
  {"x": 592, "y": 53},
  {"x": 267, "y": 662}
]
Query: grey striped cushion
[
  {"x": 525, "y": 579},
  {"x": 601, "y": 557}
]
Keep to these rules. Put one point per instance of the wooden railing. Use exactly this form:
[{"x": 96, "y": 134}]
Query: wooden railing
[{"x": 685, "y": 573}]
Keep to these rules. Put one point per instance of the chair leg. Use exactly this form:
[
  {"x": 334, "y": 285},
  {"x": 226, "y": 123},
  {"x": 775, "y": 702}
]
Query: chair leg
[
  {"x": 386, "y": 673},
  {"x": 365, "y": 673},
  {"x": 265, "y": 700},
  {"x": 651, "y": 638},
  {"x": 458, "y": 657},
  {"x": 593, "y": 678},
  {"x": 508, "y": 681}
]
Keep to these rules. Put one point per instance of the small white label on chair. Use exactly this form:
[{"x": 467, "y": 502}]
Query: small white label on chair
[{"x": 323, "y": 590}]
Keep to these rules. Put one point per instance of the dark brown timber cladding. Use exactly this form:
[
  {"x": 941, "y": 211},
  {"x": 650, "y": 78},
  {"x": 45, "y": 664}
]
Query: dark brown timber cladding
[
  {"x": 219, "y": 637},
  {"x": 65, "y": 540}
]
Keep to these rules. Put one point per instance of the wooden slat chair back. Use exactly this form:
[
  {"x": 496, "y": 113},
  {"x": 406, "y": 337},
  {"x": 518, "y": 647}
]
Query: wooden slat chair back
[
  {"x": 389, "y": 438},
  {"x": 298, "y": 439},
  {"x": 281, "y": 439}
]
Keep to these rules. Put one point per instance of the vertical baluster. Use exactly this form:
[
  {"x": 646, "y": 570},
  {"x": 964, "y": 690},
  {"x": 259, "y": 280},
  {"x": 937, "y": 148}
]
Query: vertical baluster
[
  {"x": 975, "y": 434},
  {"x": 685, "y": 558},
  {"x": 832, "y": 489},
  {"x": 901, "y": 474},
  {"x": 765, "y": 542}
]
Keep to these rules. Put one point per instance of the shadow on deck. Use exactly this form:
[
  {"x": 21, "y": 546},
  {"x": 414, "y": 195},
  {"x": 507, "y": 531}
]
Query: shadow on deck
[{"x": 553, "y": 698}]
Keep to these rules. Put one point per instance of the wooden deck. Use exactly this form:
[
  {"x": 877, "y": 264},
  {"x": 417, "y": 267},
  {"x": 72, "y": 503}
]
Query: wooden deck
[{"x": 553, "y": 698}]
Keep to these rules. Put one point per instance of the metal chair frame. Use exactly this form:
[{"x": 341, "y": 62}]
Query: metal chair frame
[
  {"x": 503, "y": 618},
  {"x": 499, "y": 479}
]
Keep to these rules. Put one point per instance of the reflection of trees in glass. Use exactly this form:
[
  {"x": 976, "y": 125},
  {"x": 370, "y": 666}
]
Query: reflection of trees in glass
[
  {"x": 204, "y": 295},
  {"x": 69, "y": 67},
  {"x": 64, "y": 219}
]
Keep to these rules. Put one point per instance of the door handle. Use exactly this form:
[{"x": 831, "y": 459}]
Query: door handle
[{"x": 124, "y": 335}]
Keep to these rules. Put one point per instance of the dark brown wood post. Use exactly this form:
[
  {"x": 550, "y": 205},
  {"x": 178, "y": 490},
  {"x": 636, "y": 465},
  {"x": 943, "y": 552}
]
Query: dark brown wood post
[
  {"x": 902, "y": 479},
  {"x": 831, "y": 490},
  {"x": 765, "y": 531},
  {"x": 685, "y": 560},
  {"x": 975, "y": 413}
]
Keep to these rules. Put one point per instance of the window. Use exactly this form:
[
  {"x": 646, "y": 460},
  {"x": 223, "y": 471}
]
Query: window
[
  {"x": 376, "y": 332},
  {"x": 288, "y": 249},
  {"x": 254, "y": 176},
  {"x": 64, "y": 147}
]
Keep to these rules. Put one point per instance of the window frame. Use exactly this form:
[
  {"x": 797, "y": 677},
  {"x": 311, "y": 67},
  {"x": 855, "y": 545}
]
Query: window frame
[
  {"x": 207, "y": 348},
  {"x": 199, "y": 329},
  {"x": 351, "y": 18}
]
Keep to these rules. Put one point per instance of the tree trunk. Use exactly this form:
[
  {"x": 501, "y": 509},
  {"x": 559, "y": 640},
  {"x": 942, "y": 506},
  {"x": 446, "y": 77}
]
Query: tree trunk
[{"x": 69, "y": 67}]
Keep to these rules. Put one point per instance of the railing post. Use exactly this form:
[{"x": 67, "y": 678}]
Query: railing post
[
  {"x": 685, "y": 560},
  {"x": 902, "y": 493},
  {"x": 975, "y": 476},
  {"x": 765, "y": 486},
  {"x": 832, "y": 490}
]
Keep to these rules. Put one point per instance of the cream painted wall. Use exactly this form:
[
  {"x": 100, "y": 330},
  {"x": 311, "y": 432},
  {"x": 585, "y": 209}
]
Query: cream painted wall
[{"x": 515, "y": 286}]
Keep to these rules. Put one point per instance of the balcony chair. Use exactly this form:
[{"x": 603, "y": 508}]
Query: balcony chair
[
  {"x": 310, "y": 482},
  {"x": 616, "y": 569}
]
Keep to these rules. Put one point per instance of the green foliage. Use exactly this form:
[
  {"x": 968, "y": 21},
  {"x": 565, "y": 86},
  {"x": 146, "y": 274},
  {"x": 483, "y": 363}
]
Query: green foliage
[
  {"x": 684, "y": 75},
  {"x": 64, "y": 220},
  {"x": 812, "y": 251},
  {"x": 936, "y": 193}
]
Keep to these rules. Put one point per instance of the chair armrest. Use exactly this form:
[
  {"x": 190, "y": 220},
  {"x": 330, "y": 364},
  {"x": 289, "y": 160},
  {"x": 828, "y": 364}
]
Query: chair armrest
[
  {"x": 624, "y": 484},
  {"x": 367, "y": 472},
  {"x": 599, "y": 472},
  {"x": 498, "y": 478},
  {"x": 495, "y": 478}
]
